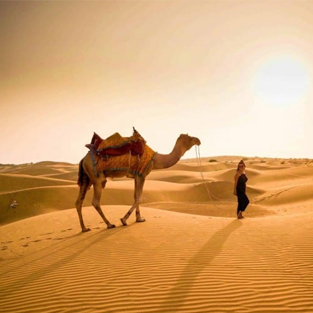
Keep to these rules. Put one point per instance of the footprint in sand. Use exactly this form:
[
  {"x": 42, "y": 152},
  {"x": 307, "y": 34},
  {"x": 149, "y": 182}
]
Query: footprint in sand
[
  {"x": 64, "y": 230},
  {"x": 24, "y": 238}
]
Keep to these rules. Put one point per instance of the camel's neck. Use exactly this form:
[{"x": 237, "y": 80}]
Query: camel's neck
[{"x": 168, "y": 160}]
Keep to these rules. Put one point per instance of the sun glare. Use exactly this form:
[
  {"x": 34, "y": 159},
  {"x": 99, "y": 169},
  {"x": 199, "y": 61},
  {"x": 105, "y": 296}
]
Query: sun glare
[{"x": 281, "y": 82}]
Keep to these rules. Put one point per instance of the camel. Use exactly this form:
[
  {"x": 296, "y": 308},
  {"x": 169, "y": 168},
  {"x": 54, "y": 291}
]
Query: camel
[{"x": 87, "y": 177}]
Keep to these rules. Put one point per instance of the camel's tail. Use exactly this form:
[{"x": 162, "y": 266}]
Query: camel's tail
[{"x": 82, "y": 176}]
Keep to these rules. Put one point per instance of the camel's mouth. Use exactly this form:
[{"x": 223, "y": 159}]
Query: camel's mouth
[{"x": 197, "y": 141}]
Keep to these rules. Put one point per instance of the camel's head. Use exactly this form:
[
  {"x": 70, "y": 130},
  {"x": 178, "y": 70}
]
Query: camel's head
[{"x": 188, "y": 141}]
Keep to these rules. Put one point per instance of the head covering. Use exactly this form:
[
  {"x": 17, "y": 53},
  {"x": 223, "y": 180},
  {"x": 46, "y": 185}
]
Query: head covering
[{"x": 241, "y": 162}]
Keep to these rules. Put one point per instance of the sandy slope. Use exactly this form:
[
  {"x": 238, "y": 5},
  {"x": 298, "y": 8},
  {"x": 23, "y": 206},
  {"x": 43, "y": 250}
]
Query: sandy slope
[
  {"x": 172, "y": 263},
  {"x": 203, "y": 261}
]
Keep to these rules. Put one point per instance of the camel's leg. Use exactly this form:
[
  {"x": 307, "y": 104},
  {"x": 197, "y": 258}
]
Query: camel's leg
[
  {"x": 79, "y": 203},
  {"x": 139, "y": 182},
  {"x": 138, "y": 193},
  {"x": 96, "y": 201}
]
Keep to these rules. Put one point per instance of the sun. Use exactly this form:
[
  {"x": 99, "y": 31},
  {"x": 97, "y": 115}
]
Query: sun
[{"x": 281, "y": 81}]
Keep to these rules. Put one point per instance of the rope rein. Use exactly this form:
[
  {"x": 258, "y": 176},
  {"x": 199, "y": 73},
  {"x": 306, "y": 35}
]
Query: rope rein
[{"x": 211, "y": 196}]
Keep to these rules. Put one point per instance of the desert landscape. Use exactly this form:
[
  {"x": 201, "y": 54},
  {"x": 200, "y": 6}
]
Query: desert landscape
[
  {"x": 191, "y": 255},
  {"x": 232, "y": 78}
]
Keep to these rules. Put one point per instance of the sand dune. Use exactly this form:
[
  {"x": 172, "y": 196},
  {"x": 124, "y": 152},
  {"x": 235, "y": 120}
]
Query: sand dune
[
  {"x": 13, "y": 182},
  {"x": 191, "y": 255}
]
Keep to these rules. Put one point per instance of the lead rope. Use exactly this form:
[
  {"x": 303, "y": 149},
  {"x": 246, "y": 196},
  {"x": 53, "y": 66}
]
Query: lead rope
[
  {"x": 205, "y": 183},
  {"x": 202, "y": 176}
]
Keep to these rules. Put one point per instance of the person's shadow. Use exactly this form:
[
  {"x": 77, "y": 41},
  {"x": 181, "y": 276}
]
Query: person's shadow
[{"x": 177, "y": 295}]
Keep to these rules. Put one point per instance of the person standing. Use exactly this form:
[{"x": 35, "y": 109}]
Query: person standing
[{"x": 240, "y": 189}]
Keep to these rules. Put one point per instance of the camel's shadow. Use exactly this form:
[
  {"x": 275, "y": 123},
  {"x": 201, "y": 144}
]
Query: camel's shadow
[{"x": 52, "y": 258}]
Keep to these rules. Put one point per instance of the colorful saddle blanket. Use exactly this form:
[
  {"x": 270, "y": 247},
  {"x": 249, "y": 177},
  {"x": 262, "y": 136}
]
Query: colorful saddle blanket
[
  {"x": 117, "y": 145},
  {"x": 117, "y": 153}
]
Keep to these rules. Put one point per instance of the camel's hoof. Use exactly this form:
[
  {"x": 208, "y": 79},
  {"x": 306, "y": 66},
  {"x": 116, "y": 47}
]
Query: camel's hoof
[
  {"x": 84, "y": 230},
  {"x": 123, "y": 221},
  {"x": 111, "y": 226},
  {"x": 140, "y": 220}
]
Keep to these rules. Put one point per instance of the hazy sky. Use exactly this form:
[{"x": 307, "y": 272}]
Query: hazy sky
[{"x": 236, "y": 74}]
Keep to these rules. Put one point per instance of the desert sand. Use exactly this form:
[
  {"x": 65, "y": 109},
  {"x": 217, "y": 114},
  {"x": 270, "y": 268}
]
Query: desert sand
[{"x": 191, "y": 254}]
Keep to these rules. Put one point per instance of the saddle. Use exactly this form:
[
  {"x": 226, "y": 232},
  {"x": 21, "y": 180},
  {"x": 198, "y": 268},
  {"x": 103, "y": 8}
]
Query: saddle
[
  {"x": 116, "y": 145},
  {"x": 124, "y": 154}
]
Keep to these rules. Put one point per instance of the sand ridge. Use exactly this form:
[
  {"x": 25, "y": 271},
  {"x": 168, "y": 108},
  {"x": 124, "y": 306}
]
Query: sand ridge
[{"x": 191, "y": 254}]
